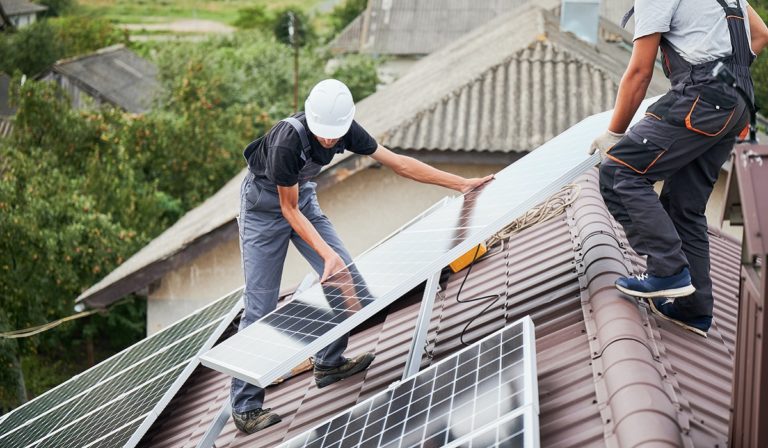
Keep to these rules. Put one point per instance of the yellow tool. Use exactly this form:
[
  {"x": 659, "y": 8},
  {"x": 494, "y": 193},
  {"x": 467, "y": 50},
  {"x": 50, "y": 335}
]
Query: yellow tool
[{"x": 465, "y": 260}]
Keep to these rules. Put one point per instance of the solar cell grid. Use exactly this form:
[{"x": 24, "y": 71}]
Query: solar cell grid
[
  {"x": 125, "y": 407},
  {"x": 117, "y": 438},
  {"x": 94, "y": 406},
  {"x": 109, "y": 367},
  {"x": 453, "y": 401},
  {"x": 128, "y": 381}
]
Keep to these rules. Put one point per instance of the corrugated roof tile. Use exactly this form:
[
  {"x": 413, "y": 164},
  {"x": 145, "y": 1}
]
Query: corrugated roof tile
[{"x": 602, "y": 382}]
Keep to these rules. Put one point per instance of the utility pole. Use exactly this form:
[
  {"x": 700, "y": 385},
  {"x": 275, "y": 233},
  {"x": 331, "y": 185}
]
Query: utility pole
[{"x": 294, "y": 43}]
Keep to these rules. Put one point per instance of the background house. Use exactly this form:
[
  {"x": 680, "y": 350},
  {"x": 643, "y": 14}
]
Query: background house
[
  {"x": 114, "y": 75},
  {"x": 471, "y": 108},
  {"x": 21, "y": 13},
  {"x": 404, "y": 31}
]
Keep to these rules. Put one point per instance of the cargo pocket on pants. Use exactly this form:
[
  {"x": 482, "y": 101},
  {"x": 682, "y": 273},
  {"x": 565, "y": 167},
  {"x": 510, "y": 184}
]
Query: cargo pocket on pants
[
  {"x": 711, "y": 112},
  {"x": 643, "y": 146},
  {"x": 252, "y": 194}
]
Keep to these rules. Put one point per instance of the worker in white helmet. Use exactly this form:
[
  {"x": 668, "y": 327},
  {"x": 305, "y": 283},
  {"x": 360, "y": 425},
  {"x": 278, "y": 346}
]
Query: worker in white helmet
[{"x": 278, "y": 204}]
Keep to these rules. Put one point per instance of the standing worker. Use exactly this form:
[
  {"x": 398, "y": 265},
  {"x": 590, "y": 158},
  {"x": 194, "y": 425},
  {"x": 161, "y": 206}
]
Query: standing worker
[
  {"x": 683, "y": 140},
  {"x": 278, "y": 203}
]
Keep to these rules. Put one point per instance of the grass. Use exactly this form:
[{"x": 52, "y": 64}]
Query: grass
[{"x": 158, "y": 11}]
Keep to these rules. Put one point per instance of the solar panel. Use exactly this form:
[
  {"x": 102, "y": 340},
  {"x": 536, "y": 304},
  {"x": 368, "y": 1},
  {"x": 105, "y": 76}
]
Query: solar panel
[
  {"x": 279, "y": 341},
  {"x": 113, "y": 403},
  {"x": 484, "y": 395}
]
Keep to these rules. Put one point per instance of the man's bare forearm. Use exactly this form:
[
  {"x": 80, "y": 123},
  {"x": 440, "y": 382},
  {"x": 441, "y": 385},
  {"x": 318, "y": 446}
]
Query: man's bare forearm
[
  {"x": 634, "y": 84},
  {"x": 758, "y": 31},
  {"x": 632, "y": 90},
  {"x": 419, "y": 171},
  {"x": 307, "y": 231}
]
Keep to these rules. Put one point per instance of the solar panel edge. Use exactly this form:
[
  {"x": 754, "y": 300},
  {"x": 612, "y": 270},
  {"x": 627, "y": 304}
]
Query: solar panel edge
[
  {"x": 523, "y": 411},
  {"x": 527, "y": 327},
  {"x": 405, "y": 286},
  {"x": 184, "y": 376}
]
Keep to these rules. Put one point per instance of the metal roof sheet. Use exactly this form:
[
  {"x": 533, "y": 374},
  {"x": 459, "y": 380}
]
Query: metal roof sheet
[
  {"x": 116, "y": 74},
  {"x": 406, "y": 27},
  {"x": 18, "y": 7},
  {"x": 606, "y": 368},
  {"x": 403, "y": 27}
]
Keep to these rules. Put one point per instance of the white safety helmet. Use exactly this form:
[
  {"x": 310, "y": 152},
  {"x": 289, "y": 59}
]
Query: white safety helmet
[{"x": 329, "y": 109}]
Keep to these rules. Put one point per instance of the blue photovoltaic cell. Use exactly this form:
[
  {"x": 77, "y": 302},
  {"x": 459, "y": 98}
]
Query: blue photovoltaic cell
[
  {"x": 483, "y": 396},
  {"x": 315, "y": 317},
  {"x": 106, "y": 405}
]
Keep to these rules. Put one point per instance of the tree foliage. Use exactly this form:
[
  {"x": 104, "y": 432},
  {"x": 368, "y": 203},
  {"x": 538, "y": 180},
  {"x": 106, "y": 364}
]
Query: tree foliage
[
  {"x": 359, "y": 72},
  {"x": 760, "y": 66},
  {"x": 33, "y": 49},
  {"x": 292, "y": 20},
  {"x": 58, "y": 8},
  {"x": 343, "y": 14},
  {"x": 255, "y": 17}
]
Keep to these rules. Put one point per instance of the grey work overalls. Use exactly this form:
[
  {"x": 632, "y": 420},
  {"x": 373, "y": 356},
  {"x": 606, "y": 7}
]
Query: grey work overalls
[
  {"x": 264, "y": 237},
  {"x": 683, "y": 140}
]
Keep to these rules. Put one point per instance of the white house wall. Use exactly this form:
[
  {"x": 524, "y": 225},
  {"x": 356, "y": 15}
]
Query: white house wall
[{"x": 364, "y": 209}]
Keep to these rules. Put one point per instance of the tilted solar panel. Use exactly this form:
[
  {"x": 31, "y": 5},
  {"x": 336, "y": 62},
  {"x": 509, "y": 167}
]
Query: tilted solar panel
[
  {"x": 114, "y": 402},
  {"x": 484, "y": 395},
  {"x": 281, "y": 340}
]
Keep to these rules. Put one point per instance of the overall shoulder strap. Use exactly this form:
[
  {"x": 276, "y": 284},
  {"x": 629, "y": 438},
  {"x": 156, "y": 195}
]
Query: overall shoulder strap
[
  {"x": 305, "y": 147},
  {"x": 732, "y": 10},
  {"x": 627, "y": 16}
]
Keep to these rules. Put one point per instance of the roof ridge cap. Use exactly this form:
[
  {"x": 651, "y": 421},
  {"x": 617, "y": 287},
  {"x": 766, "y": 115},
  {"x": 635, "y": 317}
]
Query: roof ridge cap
[
  {"x": 631, "y": 383},
  {"x": 99, "y": 52}
]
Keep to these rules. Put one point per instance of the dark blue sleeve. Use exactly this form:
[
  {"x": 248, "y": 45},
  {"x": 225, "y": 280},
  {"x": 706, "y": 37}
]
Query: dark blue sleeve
[
  {"x": 283, "y": 160},
  {"x": 359, "y": 141}
]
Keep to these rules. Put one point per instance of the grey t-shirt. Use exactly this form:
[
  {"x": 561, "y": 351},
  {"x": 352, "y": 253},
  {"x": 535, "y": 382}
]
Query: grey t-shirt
[{"x": 697, "y": 29}]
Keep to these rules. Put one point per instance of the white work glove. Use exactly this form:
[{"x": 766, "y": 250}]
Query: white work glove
[{"x": 604, "y": 142}]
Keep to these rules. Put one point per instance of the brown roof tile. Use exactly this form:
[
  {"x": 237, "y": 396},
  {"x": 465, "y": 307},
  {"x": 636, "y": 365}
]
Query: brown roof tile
[{"x": 608, "y": 374}]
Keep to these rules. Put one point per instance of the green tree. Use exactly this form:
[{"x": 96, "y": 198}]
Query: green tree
[
  {"x": 359, "y": 73},
  {"x": 35, "y": 48},
  {"x": 72, "y": 209},
  {"x": 58, "y": 7},
  {"x": 760, "y": 66},
  {"x": 29, "y": 50},
  {"x": 255, "y": 17},
  {"x": 343, "y": 14}
]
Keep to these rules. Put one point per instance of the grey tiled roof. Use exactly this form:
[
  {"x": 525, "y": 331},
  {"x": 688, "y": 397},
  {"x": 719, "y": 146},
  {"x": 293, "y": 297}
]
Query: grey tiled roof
[
  {"x": 507, "y": 88},
  {"x": 407, "y": 27},
  {"x": 18, "y": 7},
  {"x": 116, "y": 75}
]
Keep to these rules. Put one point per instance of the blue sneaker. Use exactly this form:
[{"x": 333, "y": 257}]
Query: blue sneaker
[
  {"x": 648, "y": 286},
  {"x": 665, "y": 308}
]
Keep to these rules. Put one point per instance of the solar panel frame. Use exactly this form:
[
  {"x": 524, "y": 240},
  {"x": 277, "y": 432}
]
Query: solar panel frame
[
  {"x": 358, "y": 417},
  {"x": 232, "y": 363},
  {"x": 71, "y": 399}
]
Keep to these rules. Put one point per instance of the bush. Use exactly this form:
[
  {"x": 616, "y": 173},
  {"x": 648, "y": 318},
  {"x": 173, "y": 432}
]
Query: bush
[{"x": 359, "y": 73}]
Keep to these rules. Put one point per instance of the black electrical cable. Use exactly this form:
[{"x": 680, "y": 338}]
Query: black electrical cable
[{"x": 495, "y": 298}]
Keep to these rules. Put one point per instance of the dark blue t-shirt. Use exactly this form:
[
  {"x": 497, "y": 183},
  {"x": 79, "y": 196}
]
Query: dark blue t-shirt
[{"x": 276, "y": 158}]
